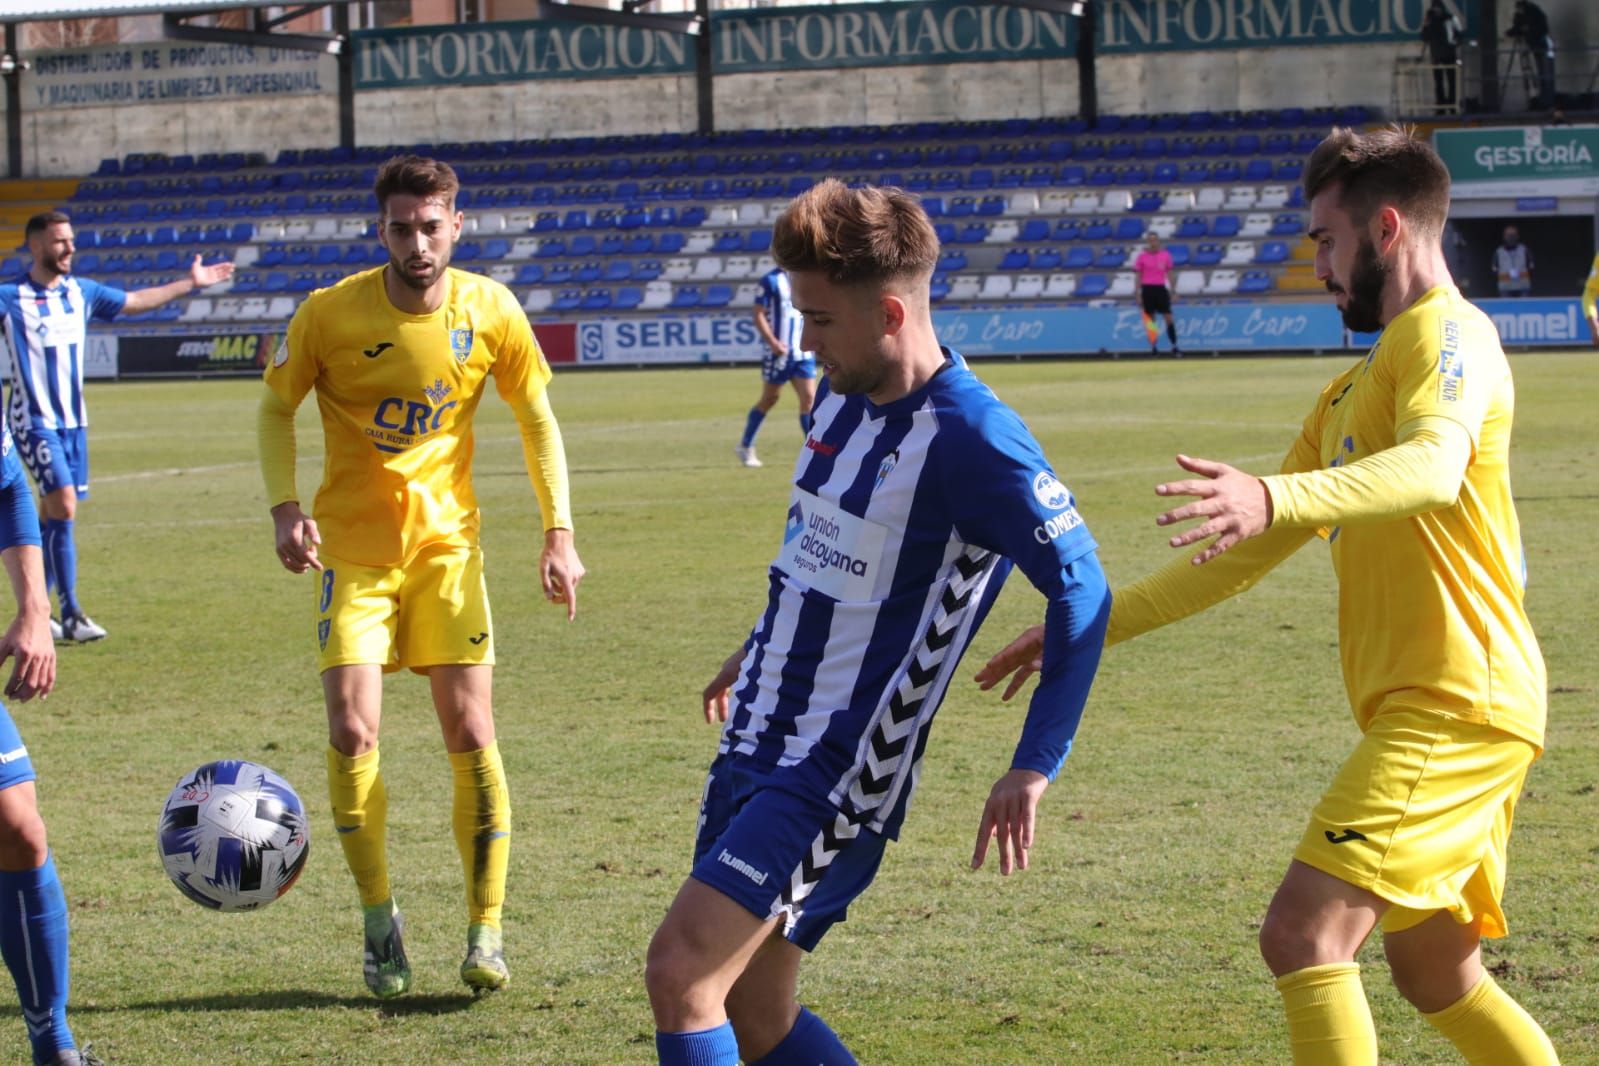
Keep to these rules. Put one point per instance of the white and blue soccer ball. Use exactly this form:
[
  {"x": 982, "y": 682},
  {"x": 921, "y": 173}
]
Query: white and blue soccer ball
[{"x": 233, "y": 835}]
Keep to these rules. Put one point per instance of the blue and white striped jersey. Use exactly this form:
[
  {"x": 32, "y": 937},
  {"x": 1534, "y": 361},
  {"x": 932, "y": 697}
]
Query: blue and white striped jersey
[
  {"x": 19, "y": 516},
  {"x": 776, "y": 299},
  {"x": 904, "y": 521},
  {"x": 46, "y": 330}
]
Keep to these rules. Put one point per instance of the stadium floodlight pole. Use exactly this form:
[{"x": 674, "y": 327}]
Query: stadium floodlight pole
[{"x": 11, "y": 67}]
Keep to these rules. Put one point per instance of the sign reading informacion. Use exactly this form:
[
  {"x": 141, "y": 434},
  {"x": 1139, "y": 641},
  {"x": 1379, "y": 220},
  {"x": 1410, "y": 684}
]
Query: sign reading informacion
[
  {"x": 171, "y": 71},
  {"x": 1511, "y": 162},
  {"x": 867, "y": 35}
]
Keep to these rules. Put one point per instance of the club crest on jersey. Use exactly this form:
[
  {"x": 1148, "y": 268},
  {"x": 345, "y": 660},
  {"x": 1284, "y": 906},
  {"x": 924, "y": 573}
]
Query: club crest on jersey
[
  {"x": 796, "y": 523},
  {"x": 885, "y": 468},
  {"x": 1050, "y": 492},
  {"x": 281, "y": 356},
  {"x": 461, "y": 344},
  {"x": 437, "y": 391}
]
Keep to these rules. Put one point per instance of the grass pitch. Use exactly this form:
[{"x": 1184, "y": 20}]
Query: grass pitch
[{"x": 1131, "y": 940}]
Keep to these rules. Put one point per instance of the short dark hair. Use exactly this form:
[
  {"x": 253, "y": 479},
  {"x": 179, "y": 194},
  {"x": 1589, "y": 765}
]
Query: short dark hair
[
  {"x": 1386, "y": 166},
  {"x": 862, "y": 234},
  {"x": 43, "y": 221},
  {"x": 417, "y": 176}
]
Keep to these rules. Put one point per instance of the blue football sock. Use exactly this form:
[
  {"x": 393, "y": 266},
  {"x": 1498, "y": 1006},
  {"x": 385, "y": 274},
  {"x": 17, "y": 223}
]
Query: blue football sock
[
  {"x": 809, "y": 1043},
  {"x": 707, "y": 1047},
  {"x": 805, "y": 422},
  {"x": 33, "y": 940},
  {"x": 752, "y": 426},
  {"x": 62, "y": 552}
]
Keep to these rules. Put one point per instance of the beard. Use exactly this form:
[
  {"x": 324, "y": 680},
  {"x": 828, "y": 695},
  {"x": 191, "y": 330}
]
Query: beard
[
  {"x": 1367, "y": 280},
  {"x": 419, "y": 282}
]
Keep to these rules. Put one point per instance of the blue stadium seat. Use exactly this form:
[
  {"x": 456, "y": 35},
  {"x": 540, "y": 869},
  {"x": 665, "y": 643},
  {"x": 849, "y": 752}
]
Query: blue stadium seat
[
  {"x": 1095, "y": 229},
  {"x": 1207, "y": 255},
  {"x": 354, "y": 254},
  {"x": 1015, "y": 259},
  {"x": 567, "y": 300},
  {"x": 551, "y": 248},
  {"x": 1254, "y": 281},
  {"x": 1257, "y": 170},
  {"x": 728, "y": 241},
  {"x": 647, "y": 270},
  {"x": 758, "y": 240},
  {"x": 1179, "y": 254},
  {"x": 1224, "y": 226},
  {"x": 1164, "y": 174},
  {"x": 1091, "y": 285},
  {"x": 575, "y": 218},
  {"x": 1079, "y": 257},
  {"x": 1146, "y": 203},
  {"x": 1047, "y": 259},
  {"x": 166, "y": 261},
  {"x": 1033, "y": 230},
  {"x": 1272, "y": 252},
  {"x": 85, "y": 262},
  {"x": 990, "y": 206},
  {"x": 716, "y": 296},
  {"x": 1111, "y": 256},
  {"x": 685, "y": 296},
  {"x": 496, "y": 248},
  {"x": 595, "y": 300},
  {"x": 939, "y": 289},
  {"x": 618, "y": 270},
  {"x": 627, "y": 298},
  {"x": 529, "y": 274},
  {"x": 1073, "y": 174},
  {"x": 639, "y": 244},
  {"x": 583, "y": 244},
  {"x": 558, "y": 274},
  {"x": 587, "y": 273},
  {"x": 1225, "y": 171},
  {"x": 1287, "y": 225},
  {"x": 669, "y": 243},
  {"x": 952, "y": 261},
  {"x": 1067, "y": 230},
  {"x": 1246, "y": 144},
  {"x": 1190, "y": 227}
]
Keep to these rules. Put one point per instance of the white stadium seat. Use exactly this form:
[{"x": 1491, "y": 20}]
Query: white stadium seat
[
  {"x": 1238, "y": 253},
  {"x": 1022, "y": 202},
  {"x": 1028, "y": 287},
  {"x": 268, "y": 229},
  {"x": 198, "y": 309},
  {"x": 746, "y": 294},
  {"x": 1163, "y": 226},
  {"x": 519, "y": 221},
  {"x": 707, "y": 267},
  {"x": 281, "y": 307},
  {"x": 252, "y": 309},
  {"x": 1060, "y": 286},
  {"x": 1116, "y": 201},
  {"x": 964, "y": 287},
  {"x": 1221, "y": 283},
  {"x": 996, "y": 287},
  {"x": 524, "y": 248},
  {"x": 1123, "y": 284},
  {"x": 1055, "y": 202},
  {"x": 226, "y": 309},
  {"x": 1272, "y": 197},
  {"x": 722, "y": 215},
  {"x": 1256, "y": 225},
  {"x": 1083, "y": 203},
  {"x": 698, "y": 242},
  {"x": 751, "y": 213},
  {"x": 246, "y": 257},
  {"x": 537, "y": 300},
  {"x": 657, "y": 294},
  {"x": 764, "y": 265},
  {"x": 296, "y": 229},
  {"x": 678, "y": 268},
  {"x": 1180, "y": 200},
  {"x": 1190, "y": 282},
  {"x": 1210, "y": 198},
  {"x": 504, "y": 273},
  {"x": 325, "y": 228},
  {"x": 489, "y": 221},
  {"x": 738, "y": 268},
  {"x": 1003, "y": 232},
  {"x": 1241, "y": 198}
]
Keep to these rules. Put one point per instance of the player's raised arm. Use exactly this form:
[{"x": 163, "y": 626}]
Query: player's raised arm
[{"x": 201, "y": 275}]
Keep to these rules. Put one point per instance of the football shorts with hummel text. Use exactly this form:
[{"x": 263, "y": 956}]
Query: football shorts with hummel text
[{"x": 432, "y": 611}]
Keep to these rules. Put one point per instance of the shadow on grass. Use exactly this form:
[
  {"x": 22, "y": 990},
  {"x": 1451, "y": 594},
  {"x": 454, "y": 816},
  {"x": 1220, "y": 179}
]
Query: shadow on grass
[{"x": 288, "y": 999}]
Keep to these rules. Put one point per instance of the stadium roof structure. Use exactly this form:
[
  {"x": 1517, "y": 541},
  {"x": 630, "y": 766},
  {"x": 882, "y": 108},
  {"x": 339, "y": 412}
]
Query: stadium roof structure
[{"x": 43, "y": 10}]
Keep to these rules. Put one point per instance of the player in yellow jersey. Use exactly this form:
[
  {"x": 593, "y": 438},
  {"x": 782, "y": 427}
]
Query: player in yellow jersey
[
  {"x": 1590, "y": 302},
  {"x": 1403, "y": 468},
  {"x": 398, "y": 357}
]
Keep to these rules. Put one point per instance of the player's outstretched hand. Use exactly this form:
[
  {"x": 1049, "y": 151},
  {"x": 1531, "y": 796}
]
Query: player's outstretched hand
[
  {"x": 297, "y": 538},
  {"x": 1024, "y": 655},
  {"x": 1234, "y": 506},
  {"x": 560, "y": 569},
  {"x": 1008, "y": 819},
  {"x": 28, "y": 642},
  {"x": 715, "y": 695},
  {"x": 203, "y": 275}
]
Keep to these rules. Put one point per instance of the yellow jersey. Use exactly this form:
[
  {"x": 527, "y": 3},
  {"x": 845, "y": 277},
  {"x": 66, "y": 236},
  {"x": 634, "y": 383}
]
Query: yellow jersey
[
  {"x": 1590, "y": 291},
  {"x": 397, "y": 393},
  {"x": 1430, "y": 606}
]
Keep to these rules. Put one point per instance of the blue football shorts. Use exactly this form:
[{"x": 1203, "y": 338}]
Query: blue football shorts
[
  {"x": 15, "y": 766},
  {"x": 780, "y": 854},
  {"x": 776, "y": 369},
  {"x": 54, "y": 457}
]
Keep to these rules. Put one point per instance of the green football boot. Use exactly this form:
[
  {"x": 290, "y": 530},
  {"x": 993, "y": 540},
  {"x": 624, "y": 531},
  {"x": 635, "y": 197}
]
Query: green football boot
[
  {"x": 484, "y": 969},
  {"x": 388, "y": 972}
]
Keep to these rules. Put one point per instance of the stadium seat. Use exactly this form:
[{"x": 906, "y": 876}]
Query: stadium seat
[
  {"x": 1047, "y": 259},
  {"x": 1272, "y": 196},
  {"x": 1254, "y": 281},
  {"x": 1288, "y": 224},
  {"x": 1210, "y": 198},
  {"x": 627, "y": 298},
  {"x": 1033, "y": 230},
  {"x": 537, "y": 300},
  {"x": 595, "y": 300},
  {"x": 996, "y": 287},
  {"x": 1015, "y": 259},
  {"x": 1272, "y": 252},
  {"x": 1179, "y": 253},
  {"x": 1123, "y": 284},
  {"x": 678, "y": 268},
  {"x": 1255, "y": 225},
  {"x": 1225, "y": 226},
  {"x": 685, "y": 296},
  {"x": 746, "y": 294},
  {"x": 657, "y": 294},
  {"x": 567, "y": 300},
  {"x": 1083, "y": 203},
  {"x": 707, "y": 267},
  {"x": 1005, "y": 231},
  {"x": 280, "y": 308},
  {"x": 1129, "y": 229},
  {"x": 198, "y": 309},
  {"x": 1111, "y": 256},
  {"x": 1027, "y": 287},
  {"x": 1207, "y": 254},
  {"x": 1096, "y": 229},
  {"x": 964, "y": 287},
  {"x": 1191, "y": 227},
  {"x": 551, "y": 248},
  {"x": 1059, "y": 286},
  {"x": 1222, "y": 283},
  {"x": 1238, "y": 253},
  {"x": 1092, "y": 285},
  {"x": 1024, "y": 202},
  {"x": 1078, "y": 257},
  {"x": 1240, "y": 198},
  {"x": 716, "y": 296},
  {"x": 1190, "y": 282},
  {"x": 1162, "y": 226}
]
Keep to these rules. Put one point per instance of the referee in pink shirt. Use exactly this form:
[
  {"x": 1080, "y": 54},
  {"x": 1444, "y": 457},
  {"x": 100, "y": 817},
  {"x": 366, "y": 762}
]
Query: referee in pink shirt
[{"x": 1154, "y": 267}]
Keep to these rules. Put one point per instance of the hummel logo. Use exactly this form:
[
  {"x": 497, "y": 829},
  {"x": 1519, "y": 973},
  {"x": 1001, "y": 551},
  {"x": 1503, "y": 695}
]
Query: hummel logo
[
  {"x": 479, "y": 639},
  {"x": 1345, "y": 837},
  {"x": 377, "y": 350}
]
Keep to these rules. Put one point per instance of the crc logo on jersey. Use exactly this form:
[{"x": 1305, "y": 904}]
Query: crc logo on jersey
[
  {"x": 398, "y": 423},
  {"x": 461, "y": 343},
  {"x": 1451, "y": 365},
  {"x": 1050, "y": 492}
]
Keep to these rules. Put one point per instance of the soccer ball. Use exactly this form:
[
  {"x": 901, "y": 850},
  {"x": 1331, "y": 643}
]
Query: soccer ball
[{"x": 233, "y": 835}]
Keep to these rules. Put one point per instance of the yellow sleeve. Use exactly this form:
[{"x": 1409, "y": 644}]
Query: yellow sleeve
[
  {"x": 545, "y": 455},
  {"x": 1421, "y": 473},
  {"x": 1180, "y": 588},
  {"x": 1590, "y": 291},
  {"x": 274, "y": 434},
  {"x": 288, "y": 377}
]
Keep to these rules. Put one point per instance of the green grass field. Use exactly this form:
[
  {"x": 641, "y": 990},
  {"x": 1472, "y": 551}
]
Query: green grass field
[{"x": 1131, "y": 940}]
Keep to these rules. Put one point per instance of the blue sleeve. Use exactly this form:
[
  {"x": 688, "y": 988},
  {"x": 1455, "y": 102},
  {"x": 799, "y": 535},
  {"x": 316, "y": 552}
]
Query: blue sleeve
[
  {"x": 1006, "y": 498},
  {"x": 105, "y": 302},
  {"x": 19, "y": 518},
  {"x": 765, "y": 293}
]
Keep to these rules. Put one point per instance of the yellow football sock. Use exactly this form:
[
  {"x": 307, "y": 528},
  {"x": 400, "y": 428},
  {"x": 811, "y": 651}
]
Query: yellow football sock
[
  {"x": 1329, "y": 1021},
  {"x": 1491, "y": 1029},
  {"x": 360, "y": 816},
  {"x": 482, "y": 821}
]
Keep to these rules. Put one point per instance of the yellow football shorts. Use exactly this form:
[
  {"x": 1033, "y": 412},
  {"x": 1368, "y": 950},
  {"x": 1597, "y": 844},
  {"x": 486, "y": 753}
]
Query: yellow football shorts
[
  {"x": 432, "y": 611},
  {"x": 1420, "y": 815}
]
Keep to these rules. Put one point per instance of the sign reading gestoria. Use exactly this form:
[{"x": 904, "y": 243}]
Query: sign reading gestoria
[
  {"x": 1521, "y": 161},
  {"x": 856, "y": 35},
  {"x": 171, "y": 71}
]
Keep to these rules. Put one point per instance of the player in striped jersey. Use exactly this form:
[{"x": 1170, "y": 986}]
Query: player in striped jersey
[
  {"x": 779, "y": 326},
  {"x": 46, "y": 314},
  {"x": 916, "y": 492},
  {"x": 33, "y": 910}
]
